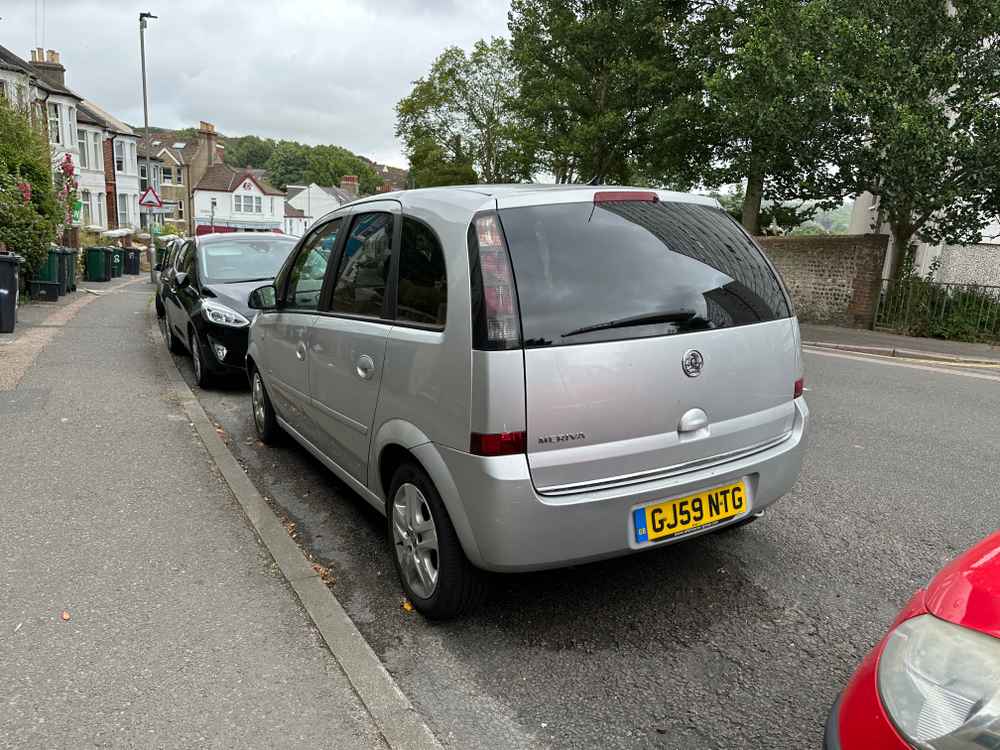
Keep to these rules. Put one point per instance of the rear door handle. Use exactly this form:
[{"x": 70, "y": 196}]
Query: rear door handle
[
  {"x": 300, "y": 351},
  {"x": 365, "y": 367}
]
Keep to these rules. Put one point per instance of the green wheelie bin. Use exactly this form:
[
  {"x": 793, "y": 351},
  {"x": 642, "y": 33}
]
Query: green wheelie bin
[
  {"x": 71, "y": 259},
  {"x": 117, "y": 262},
  {"x": 51, "y": 271},
  {"x": 97, "y": 264}
]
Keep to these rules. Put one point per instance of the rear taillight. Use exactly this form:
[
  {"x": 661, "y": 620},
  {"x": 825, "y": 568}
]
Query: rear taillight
[
  {"x": 800, "y": 386},
  {"x": 498, "y": 444},
  {"x": 495, "y": 321}
]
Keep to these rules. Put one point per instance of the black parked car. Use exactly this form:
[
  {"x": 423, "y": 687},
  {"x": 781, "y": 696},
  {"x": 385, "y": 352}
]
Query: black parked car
[
  {"x": 163, "y": 272},
  {"x": 204, "y": 296}
]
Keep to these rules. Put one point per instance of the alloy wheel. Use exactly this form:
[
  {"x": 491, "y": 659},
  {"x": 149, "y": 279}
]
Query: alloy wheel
[
  {"x": 415, "y": 540},
  {"x": 196, "y": 357},
  {"x": 257, "y": 398}
]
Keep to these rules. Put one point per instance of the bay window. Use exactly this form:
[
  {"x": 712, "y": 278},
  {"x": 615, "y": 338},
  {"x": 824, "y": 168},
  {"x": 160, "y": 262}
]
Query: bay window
[
  {"x": 83, "y": 140},
  {"x": 55, "y": 123}
]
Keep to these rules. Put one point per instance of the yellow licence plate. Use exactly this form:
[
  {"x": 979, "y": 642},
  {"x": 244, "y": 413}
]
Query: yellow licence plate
[{"x": 682, "y": 514}]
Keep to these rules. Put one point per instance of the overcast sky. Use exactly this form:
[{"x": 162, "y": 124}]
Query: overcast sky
[{"x": 315, "y": 71}]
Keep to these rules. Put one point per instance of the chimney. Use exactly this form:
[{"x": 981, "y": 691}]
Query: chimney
[
  {"x": 46, "y": 64},
  {"x": 206, "y": 140},
  {"x": 349, "y": 184}
]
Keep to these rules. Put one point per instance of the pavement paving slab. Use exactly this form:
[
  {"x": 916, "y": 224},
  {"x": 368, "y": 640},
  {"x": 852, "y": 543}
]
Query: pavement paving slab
[{"x": 137, "y": 608}]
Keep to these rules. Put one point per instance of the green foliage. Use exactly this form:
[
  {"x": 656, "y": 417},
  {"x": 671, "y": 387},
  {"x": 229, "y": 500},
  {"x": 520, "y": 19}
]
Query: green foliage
[
  {"x": 292, "y": 163},
  {"x": 430, "y": 166},
  {"x": 921, "y": 84},
  {"x": 767, "y": 116},
  {"x": 287, "y": 164},
  {"x": 465, "y": 106},
  {"x": 775, "y": 218},
  {"x": 327, "y": 164},
  {"x": 26, "y": 227},
  {"x": 248, "y": 151},
  {"x": 595, "y": 78},
  {"x": 919, "y": 306}
]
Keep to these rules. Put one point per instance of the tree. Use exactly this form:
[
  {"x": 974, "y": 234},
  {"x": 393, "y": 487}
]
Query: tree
[
  {"x": 593, "y": 77},
  {"x": 326, "y": 165},
  {"x": 922, "y": 80},
  {"x": 465, "y": 107},
  {"x": 248, "y": 151},
  {"x": 287, "y": 164},
  {"x": 30, "y": 214},
  {"x": 430, "y": 166},
  {"x": 775, "y": 218},
  {"x": 767, "y": 114}
]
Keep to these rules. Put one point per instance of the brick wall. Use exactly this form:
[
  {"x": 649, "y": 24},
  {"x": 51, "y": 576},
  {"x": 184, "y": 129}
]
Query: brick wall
[{"x": 832, "y": 279}]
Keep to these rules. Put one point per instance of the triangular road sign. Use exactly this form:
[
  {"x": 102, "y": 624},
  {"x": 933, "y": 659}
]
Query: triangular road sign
[{"x": 150, "y": 199}]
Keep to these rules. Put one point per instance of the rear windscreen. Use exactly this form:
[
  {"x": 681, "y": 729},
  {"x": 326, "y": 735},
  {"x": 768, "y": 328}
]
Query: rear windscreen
[{"x": 589, "y": 272}]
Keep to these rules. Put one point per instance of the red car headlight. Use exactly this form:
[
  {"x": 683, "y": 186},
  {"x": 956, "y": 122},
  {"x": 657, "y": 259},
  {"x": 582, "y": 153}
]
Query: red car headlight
[{"x": 940, "y": 685}]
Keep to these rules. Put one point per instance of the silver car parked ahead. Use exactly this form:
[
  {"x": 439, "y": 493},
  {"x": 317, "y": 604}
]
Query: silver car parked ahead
[{"x": 526, "y": 376}]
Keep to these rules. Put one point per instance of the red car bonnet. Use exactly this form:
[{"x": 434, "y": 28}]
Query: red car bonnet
[{"x": 967, "y": 591}]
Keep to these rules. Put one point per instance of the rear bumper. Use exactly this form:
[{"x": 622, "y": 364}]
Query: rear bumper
[{"x": 513, "y": 528}]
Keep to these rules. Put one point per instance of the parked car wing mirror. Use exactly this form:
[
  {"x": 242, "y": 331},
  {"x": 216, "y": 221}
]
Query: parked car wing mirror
[
  {"x": 263, "y": 298},
  {"x": 158, "y": 268},
  {"x": 181, "y": 279}
]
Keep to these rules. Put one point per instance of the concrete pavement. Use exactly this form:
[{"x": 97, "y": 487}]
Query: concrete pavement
[
  {"x": 137, "y": 609},
  {"x": 889, "y": 344}
]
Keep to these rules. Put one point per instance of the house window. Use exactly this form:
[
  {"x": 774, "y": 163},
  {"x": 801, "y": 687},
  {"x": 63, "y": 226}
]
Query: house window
[
  {"x": 98, "y": 152},
  {"x": 73, "y": 137},
  {"x": 85, "y": 215},
  {"x": 122, "y": 209},
  {"x": 179, "y": 176},
  {"x": 131, "y": 158},
  {"x": 180, "y": 209},
  {"x": 3, "y": 90},
  {"x": 119, "y": 156},
  {"x": 256, "y": 204},
  {"x": 237, "y": 203},
  {"x": 55, "y": 124},
  {"x": 83, "y": 138},
  {"x": 168, "y": 175},
  {"x": 142, "y": 177},
  {"x": 271, "y": 204}
]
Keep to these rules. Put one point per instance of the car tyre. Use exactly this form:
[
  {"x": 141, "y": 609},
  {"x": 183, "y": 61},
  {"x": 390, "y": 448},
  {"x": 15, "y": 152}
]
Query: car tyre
[
  {"x": 265, "y": 421},
  {"x": 436, "y": 576},
  {"x": 174, "y": 344},
  {"x": 201, "y": 374}
]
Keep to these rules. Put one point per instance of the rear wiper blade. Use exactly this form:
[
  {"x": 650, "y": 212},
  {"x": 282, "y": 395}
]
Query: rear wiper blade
[{"x": 663, "y": 316}]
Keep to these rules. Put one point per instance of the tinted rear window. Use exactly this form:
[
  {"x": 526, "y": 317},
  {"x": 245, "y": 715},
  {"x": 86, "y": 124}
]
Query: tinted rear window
[{"x": 612, "y": 265}]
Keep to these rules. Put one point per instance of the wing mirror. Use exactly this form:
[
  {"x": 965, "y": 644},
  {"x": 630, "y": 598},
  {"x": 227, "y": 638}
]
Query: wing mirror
[
  {"x": 181, "y": 279},
  {"x": 158, "y": 268},
  {"x": 263, "y": 298}
]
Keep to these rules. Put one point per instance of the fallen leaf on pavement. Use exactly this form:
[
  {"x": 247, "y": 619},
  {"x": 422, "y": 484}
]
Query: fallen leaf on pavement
[
  {"x": 64, "y": 615},
  {"x": 407, "y": 607}
]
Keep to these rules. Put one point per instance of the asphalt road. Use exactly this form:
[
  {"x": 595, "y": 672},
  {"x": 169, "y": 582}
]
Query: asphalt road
[{"x": 736, "y": 640}]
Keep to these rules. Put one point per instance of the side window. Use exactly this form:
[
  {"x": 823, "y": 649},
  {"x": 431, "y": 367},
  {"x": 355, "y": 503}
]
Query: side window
[
  {"x": 364, "y": 267},
  {"x": 186, "y": 263},
  {"x": 423, "y": 283},
  {"x": 305, "y": 280}
]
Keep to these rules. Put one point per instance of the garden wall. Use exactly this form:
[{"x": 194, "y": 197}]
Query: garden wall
[{"x": 832, "y": 279}]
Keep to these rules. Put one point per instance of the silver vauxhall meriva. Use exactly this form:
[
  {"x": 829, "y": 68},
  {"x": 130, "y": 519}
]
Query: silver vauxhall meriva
[{"x": 529, "y": 376}]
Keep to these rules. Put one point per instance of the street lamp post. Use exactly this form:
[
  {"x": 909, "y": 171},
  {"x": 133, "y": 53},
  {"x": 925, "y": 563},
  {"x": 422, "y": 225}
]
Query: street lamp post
[{"x": 145, "y": 118}]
